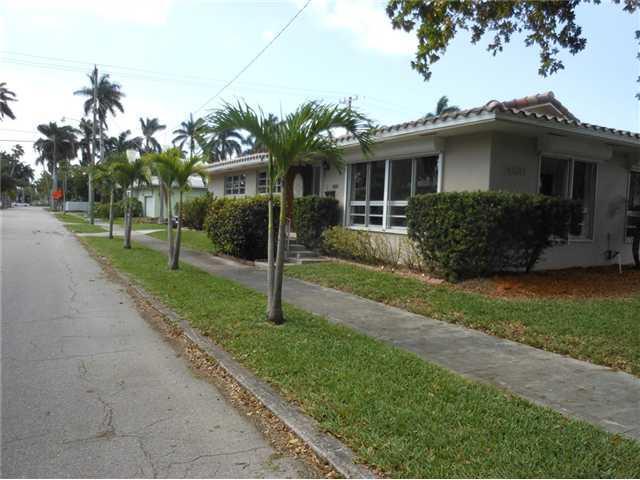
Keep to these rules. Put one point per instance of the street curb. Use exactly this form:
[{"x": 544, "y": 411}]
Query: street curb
[{"x": 325, "y": 446}]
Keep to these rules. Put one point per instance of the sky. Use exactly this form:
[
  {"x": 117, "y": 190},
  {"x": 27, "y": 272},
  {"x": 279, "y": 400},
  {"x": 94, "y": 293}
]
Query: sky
[{"x": 171, "y": 57}]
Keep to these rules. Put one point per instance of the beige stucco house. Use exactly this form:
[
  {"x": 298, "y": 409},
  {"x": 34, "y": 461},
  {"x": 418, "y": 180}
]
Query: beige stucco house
[
  {"x": 153, "y": 203},
  {"x": 533, "y": 144}
]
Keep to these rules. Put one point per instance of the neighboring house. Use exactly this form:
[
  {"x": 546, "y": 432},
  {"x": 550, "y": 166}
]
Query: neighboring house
[
  {"x": 153, "y": 203},
  {"x": 533, "y": 144}
]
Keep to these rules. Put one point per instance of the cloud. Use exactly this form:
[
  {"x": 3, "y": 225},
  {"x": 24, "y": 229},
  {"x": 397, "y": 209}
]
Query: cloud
[
  {"x": 366, "y": 21},
  {"x": 149, "y": 12},
  {"x": 268, "y": 35}
]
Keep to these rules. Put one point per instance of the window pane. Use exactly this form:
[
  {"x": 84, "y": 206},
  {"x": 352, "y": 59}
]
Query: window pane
[
  {"x": 375, "y": 210},
  {"x": 357, "y": 209},
  {"x": 397, "y": 216},
  {"x": 400, "y": 179},
  {"x": 426, "y": 175},
  {"x": 376, "y": 191},
  {"x": 375, "y": 220},
  {"x": 554, "y": 177},
  {"x": 398, "y": 222},
  {"x": 584, "y": 191},
  {"x": 359, "y": 181}
]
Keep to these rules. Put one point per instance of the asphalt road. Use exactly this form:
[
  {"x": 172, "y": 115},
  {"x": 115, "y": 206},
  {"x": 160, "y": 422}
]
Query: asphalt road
[{"x": 90, "y": 389}]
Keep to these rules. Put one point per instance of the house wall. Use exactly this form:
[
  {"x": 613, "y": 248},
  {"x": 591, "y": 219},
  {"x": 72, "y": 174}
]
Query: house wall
[
  {"x": 467, "y": 163},
  {"x": 514, "y": 163},
  {"x": 155, "y": 194}
]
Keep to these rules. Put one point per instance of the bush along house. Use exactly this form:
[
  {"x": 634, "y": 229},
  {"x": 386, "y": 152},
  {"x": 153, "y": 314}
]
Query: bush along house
[{"x": 528, "y": 145}]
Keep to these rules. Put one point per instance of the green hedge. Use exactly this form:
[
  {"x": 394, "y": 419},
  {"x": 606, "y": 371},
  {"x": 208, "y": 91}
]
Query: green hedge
[
  {"x": 470, "y": 234},
  {"x": 194, "y": 212},
  {"x": 238, "y": 226},
  {"x": 312, "y": 216},
  {"x": 102, "y": 209}
]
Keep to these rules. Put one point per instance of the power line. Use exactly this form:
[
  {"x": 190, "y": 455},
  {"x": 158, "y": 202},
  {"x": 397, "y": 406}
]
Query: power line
[{"x": 255, "y": 58}]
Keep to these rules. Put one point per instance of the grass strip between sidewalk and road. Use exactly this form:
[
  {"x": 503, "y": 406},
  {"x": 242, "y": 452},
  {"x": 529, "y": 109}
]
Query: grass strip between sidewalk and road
[
  {"x": 137, "y": 224},
  {"x": 193, "y": 239},
  {"x": 84, "y": 228},
  {"x": 603, "y": 331},
  {"x": 69, "y": 218},
  {"x": 404, "y": 416}
]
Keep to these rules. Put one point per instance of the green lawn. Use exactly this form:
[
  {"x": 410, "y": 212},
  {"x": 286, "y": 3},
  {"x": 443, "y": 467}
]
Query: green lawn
[
  {"x": 405, "y": 416},
  {"x": 83, "y": 228},
  {"x": 70, "y": 218},
  {"x": 137, "y": 224},
  {"x": 606, "y": 332},
  {"x": 192, "y": 239}
]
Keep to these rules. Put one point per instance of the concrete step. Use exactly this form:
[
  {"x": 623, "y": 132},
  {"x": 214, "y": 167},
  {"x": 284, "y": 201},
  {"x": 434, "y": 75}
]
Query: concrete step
[
  {"x": 303, "y": 254},
  {"x": 296, "y": 247}
]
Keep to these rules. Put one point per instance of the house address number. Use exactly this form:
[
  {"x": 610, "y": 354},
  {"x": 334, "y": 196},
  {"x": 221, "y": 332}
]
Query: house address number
[{"x": 516, "y": 171}]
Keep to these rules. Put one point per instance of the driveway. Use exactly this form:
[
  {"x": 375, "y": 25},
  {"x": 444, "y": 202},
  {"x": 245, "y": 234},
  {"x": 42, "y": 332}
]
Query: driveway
[{"x": 90, "y": 389}]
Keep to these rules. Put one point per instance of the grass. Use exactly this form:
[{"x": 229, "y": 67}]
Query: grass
[
  {"x": 137, "y": 224},
  {"x": 603, "y": 331},
  {"x": 84, "y": 228},
  {"x": 400, "y": 414},
  {"x": 69, "y": 218},
  {"x": 192, "y": 239}
]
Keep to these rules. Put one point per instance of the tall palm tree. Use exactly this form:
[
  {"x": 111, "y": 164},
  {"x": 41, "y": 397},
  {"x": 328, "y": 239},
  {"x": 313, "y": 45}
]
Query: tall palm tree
[
  {"x": 131, "y": 175},
  {"x": 163, "y": 166},
  {"x": 223, "y": 144},
  {"x": 253, "y": 145},
  {"x": 85, "y": 141},
  {"x": 302, "y": 136},
  {"x": 103, "y": 97},
  {"x": 179, "y": 170},
  {"x": 191, "y": 131},
  {"x": 57, "y": 145},
  {"x": 122, "y": 143},
  {"x": 149, "y": 128},
  {"x": 443, "y": 107},
  {"x": 6, "y": 96}
]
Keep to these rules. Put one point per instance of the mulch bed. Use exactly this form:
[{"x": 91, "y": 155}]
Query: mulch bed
[{"x": 592, "y": 282}]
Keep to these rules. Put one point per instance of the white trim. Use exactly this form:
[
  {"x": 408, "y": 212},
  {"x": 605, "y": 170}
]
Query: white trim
[{"x": 440, "y": 171}]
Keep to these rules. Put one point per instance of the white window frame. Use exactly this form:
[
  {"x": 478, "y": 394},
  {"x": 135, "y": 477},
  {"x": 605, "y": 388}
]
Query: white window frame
[
  {"x": 236, "y": 185},
  {"x": 277, "y": 187},
  {"x": 627, "y": 238},
  {"x": 568, "y": 193},
  {"x": 386, "y": 203}
]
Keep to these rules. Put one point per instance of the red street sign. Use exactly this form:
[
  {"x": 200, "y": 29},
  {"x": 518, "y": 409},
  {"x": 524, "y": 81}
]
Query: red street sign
[{"x": 57, "y": 195}]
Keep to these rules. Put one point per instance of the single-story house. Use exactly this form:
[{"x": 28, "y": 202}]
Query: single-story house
[
  {"x": 532, "y": 144},
  {"x": 153, "y": 202}
]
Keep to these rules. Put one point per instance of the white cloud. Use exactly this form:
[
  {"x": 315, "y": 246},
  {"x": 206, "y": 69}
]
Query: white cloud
[
  {"x": 268, "y": 35},
  {"x": 367, "y": 22},
  {"x": 150, "y": 12}
]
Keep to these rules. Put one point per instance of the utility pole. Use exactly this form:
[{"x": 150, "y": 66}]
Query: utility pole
[
  {"x": 348, "y": 100},
  {"x": 54, "y": 176},
  {"x": 93, "y": 143}
]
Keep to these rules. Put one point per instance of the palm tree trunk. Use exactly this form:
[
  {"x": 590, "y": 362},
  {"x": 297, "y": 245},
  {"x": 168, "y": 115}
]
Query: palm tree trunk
[
  {"x": 270, "y": 240},
  {"x": 176, "y": 250},
  {"x": 127, "y": 223},
  {"x": 275, "y": 313},
  {"x": 169, "y": 226},
  {"x": 111, "y": 213},
  {"x": 64, "y": 192}
]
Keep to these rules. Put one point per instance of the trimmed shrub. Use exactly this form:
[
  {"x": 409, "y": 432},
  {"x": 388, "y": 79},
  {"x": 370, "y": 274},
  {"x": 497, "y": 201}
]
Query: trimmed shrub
[
  {"x": 312, "y": 216},
  {"x": 238, "y": 226},
  {"x": 361, "y": 246},
  {"x": 194, "y": 211},
  {"x": 469, "y": 234},
  {"x": 102, "y": 209}
]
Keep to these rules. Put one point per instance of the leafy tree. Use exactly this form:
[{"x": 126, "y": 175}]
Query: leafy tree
[
  {"x": 551, "y": 26},
  {"x": 176, "y": 171},
  {"x": 223, "y": 144},
  {"x": 58, "y": 144},
  {"x": 43, "y": 185},
  {"x": 302, "y": 136},
  {"x": 149, "y": 128},
  {"x": 443, "y": 107},
  {"x": 14, "y": 174},
  {"x": 192, "y": 132},
  {"x": 122, "y": 143},
  {"x": 131, "y": 175},
  {"x": 106, "y": 178},
  {"x": 6, "y": 96}
]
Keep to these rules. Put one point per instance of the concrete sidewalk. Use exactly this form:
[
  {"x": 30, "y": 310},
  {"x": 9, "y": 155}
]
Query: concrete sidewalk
[{"x": 596, "y": 394}]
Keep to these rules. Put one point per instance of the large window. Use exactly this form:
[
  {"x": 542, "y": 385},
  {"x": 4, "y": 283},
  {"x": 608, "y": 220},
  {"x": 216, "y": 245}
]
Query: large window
[
  {"x": 379, "y": 191},
  {"x": 633, "y": 204},
  {"x": 568, "y": 178},
  {"x": 235, "y": 185},
  {"x": 262, "y": 183}
]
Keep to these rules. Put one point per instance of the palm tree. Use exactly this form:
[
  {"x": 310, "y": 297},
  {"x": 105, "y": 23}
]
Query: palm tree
[
  {"x": 302, "y": 136},
  {"x": 163, "y": 165},
  {"x": 149, "y": 128},
  {"x": 85, "y": 141},
  {"x": 223, "y": 144},
  {"x": 122, "y": 143},
  {"x": 6, "y": 96},
  {"x": 443, "y": 107},
  {"x": 106, "y": 177},
  {"x": 252, "y": 144},
  {"x": 178, "y": 171},
  {"x": 59, "y": 144},
  {"x": 103, "y": 97},
  {"x": 191, "y": 131},
  {"x": 131, "y": 175}
]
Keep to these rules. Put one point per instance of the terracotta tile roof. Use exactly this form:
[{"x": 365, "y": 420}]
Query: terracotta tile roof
[{"x": 518, "y": 108}]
